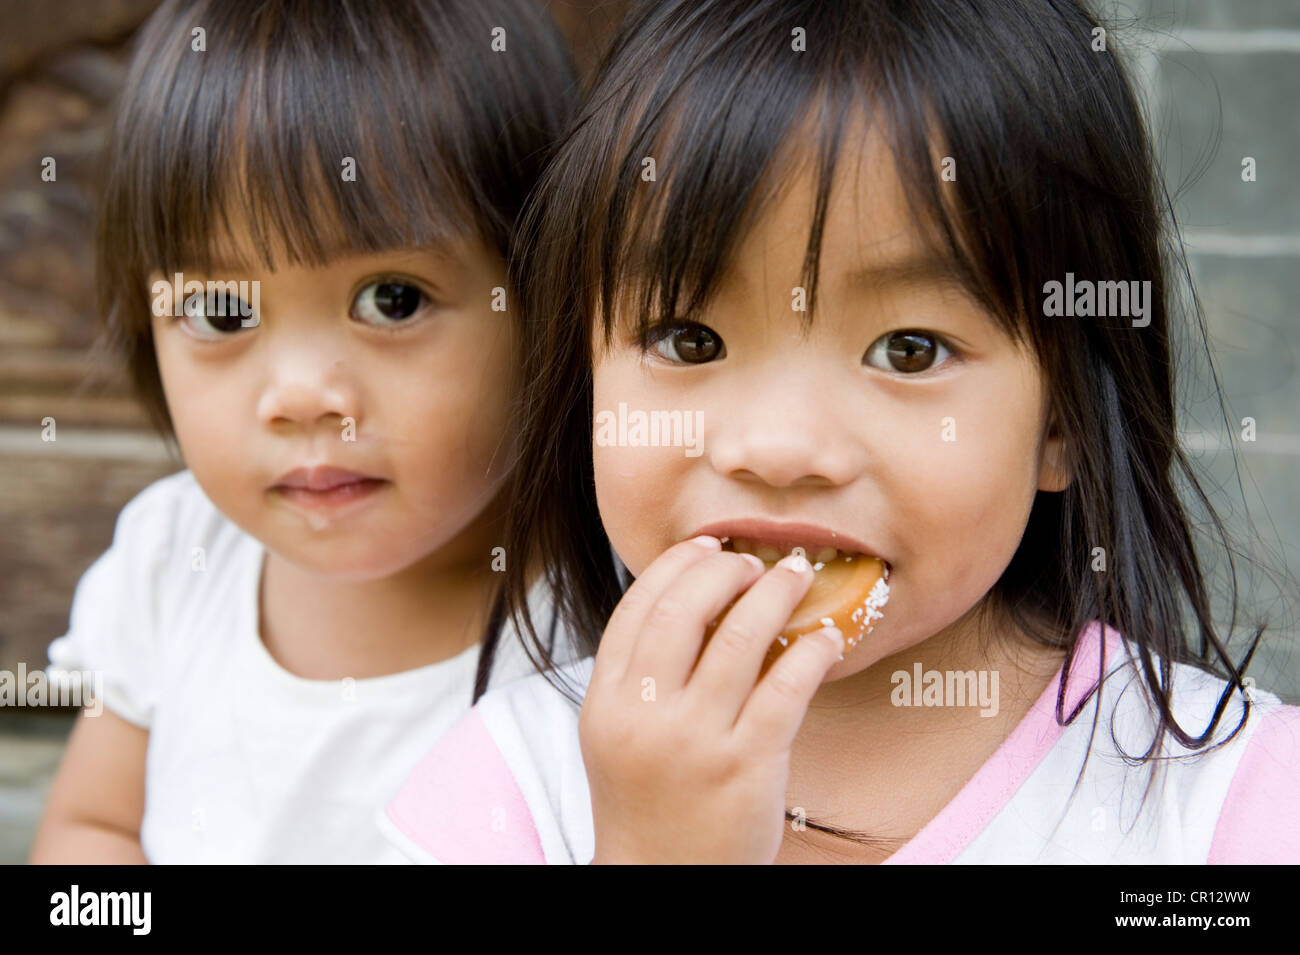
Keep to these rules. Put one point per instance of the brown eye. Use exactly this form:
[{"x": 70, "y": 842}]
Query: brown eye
[
  {"x": 218, "y": 314},
  {"x": 907, "y": 352},
  {"x": 387, "y": 303},
  {"x": 687, "y": 342}
]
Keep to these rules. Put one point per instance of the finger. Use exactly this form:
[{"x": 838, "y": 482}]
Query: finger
[
  {"x": 673, "y": 631},
  {"x": 775, "y": 710},
  {"x": 626, "y": 621},
  {"x": 726, "y": 673}
]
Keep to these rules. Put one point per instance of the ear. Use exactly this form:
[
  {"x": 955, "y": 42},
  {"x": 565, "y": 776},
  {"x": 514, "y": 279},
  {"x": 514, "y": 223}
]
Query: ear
[{"x": 1053, "y": 460}]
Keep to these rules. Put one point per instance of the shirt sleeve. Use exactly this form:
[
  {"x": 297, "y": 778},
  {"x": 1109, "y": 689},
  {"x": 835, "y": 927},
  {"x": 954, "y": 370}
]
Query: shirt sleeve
[
  {"x": 113, "y": 626},
  {"x": 505, "y": 785},
  {"x": 1260, "y": 819}
]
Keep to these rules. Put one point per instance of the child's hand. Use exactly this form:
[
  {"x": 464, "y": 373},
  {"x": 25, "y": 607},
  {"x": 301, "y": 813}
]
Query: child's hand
[{"x": 690, "y": 763}]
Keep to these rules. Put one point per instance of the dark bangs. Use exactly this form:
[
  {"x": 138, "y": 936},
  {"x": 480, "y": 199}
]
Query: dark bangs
[
  {"x": 1054, "y": 174},
  {"x": 439, "y": 136},
  {"x": 729, "y": 112}
]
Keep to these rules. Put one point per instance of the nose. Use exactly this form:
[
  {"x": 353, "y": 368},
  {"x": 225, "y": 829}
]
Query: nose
[
  {"x": 308, "y": 385},
  {"x": 789, "y": 434}
]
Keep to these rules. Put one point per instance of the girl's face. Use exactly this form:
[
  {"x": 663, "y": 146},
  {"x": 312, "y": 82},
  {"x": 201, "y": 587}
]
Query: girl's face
[
  {"x": 904, "y": 419},
  {"x": 392, "y": 365}
]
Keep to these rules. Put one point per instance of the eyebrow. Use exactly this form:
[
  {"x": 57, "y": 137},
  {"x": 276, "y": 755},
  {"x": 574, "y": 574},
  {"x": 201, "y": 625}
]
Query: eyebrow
[
  {"x": 915, "y": 269},
  {"x": 919, "y": 268}
]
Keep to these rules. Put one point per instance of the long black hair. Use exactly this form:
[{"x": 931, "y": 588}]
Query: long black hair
[{"x": 1057, "y": 175}]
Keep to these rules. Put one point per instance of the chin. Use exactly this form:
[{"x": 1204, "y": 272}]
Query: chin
[
  {"x": 343, "y": 565},
  {"x": 856, "y": 660}
]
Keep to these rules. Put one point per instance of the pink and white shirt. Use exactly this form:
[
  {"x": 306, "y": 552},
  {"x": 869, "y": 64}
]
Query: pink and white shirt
[{"x": 507, "y": 785}]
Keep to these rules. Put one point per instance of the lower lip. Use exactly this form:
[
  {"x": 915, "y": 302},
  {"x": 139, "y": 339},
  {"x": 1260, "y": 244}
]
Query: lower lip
[{"x": 333, "y": 499}]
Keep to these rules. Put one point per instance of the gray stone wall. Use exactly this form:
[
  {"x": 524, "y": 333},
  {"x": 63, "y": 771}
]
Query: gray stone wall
[{"x": 1221, "y": 81}]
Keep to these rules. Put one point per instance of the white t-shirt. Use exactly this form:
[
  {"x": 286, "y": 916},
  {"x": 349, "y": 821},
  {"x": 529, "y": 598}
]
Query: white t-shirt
[
  {"x": 507, "y": 784},
  {"x": 247, "y": 762}
]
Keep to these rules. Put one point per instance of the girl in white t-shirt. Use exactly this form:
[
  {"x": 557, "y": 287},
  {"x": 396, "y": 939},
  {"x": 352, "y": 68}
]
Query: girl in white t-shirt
[
  {"x": 799, "y": 272},
  {"x": 306, "y": 217}
]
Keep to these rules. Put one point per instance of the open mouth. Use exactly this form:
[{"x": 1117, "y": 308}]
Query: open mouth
[{"x": 847, "y": 591}]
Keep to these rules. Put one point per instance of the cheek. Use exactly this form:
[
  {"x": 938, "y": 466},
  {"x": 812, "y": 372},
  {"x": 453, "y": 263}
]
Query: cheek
[
  {"x": 965, "y": 487},
  {"x": 635, "y": 486},
  {"x": 447, "y": 409},
  {"x": 209, "y": 407},
  {"x": 958, "y": 508},
  {"x": 630, "y": 494}
]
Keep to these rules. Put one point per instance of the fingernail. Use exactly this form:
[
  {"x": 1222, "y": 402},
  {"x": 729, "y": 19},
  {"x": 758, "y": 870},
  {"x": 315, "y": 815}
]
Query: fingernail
[
  {"x": 795, "y": 563},
  {"x": 704, "y": 540},
  {"x": 755, "y": 563}
]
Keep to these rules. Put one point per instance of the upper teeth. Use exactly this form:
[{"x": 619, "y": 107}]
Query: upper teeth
[{"x": 769, "y": 554}]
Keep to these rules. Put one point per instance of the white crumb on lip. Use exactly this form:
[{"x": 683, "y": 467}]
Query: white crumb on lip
[
  {"x": 866, "y": 615},
  {"x": 878, "y": 597}
]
